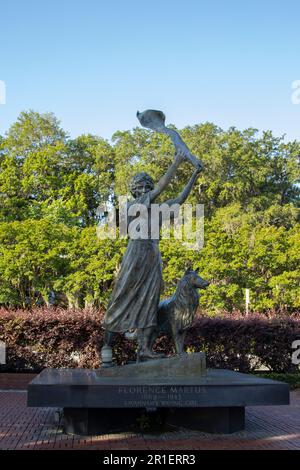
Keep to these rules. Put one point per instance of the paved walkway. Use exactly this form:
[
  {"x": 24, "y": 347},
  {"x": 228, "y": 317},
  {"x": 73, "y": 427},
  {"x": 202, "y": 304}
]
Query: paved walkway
[{"x": 267, "y": 427}]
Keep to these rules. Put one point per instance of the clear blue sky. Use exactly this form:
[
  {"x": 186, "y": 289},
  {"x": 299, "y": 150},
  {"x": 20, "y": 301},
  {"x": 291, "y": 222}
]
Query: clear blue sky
[{"x": 94, "y": 63}]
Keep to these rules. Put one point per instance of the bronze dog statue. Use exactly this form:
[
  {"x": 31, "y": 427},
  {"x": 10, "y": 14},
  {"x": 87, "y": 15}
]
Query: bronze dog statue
[{"x": 176, "y": 314}]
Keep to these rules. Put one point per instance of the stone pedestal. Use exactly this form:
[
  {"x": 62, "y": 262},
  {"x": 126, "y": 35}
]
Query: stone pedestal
[
  {"x": 99, "y": 401},
  {"x": 216, "y": 420},
  {"x": 95, "y": 421}
]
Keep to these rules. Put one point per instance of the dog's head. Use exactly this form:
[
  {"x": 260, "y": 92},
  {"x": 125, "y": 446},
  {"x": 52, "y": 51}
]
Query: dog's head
[{"x": 195, "y": 280}]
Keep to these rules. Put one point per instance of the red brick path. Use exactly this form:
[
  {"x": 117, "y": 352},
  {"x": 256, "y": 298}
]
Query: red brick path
[{"x": 274, "y": 427}]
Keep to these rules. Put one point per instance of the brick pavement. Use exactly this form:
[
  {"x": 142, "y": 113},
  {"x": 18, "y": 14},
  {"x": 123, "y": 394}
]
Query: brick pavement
[{"x": 272, "y": 427}]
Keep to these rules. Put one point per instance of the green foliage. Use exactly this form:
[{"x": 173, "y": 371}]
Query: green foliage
[
  {"x": 92, "y": 267},
  {"x": 33, "y": 255},
  {"x": 45, "y": 175},
  {"x": 51, "y": 187},
  {"x": 293, "y": 379}
]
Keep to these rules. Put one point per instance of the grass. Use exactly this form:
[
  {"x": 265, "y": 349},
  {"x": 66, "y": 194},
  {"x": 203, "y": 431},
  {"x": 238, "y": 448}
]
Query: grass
[{"x": 293, "y": 379}]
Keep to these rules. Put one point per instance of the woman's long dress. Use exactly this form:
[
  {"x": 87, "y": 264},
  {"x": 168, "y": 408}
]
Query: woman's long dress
[{"x": 135, "y": 297}]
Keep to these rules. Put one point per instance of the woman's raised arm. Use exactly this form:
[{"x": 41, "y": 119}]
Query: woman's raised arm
[
  {"x": 165, "y": 180},
  {"x": 186, "y": 191}
]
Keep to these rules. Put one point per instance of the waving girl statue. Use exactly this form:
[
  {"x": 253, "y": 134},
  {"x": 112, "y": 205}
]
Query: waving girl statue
[{"x": 134, "y": 301}]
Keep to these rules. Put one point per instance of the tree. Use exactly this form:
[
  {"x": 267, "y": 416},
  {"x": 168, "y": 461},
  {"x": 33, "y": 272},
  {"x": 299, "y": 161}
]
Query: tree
[
  {"x": 33, "y": 255},
  {"x": 51, "y": 187}
]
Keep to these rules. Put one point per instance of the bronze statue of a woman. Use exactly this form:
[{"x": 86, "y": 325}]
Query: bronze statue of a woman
[{"x": 134, "y": 301}]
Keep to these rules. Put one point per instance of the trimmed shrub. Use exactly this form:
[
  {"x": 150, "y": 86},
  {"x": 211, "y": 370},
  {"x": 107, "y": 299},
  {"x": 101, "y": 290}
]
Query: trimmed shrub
[
  {"x": 46, "y": 337},
  {"x": 246, "y": 343},
  {"x": 51, "y": 337}
]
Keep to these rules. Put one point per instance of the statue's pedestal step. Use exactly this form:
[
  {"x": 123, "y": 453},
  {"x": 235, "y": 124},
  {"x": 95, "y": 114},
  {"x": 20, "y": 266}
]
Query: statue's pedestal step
[{"x": 185, "y": 365}]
